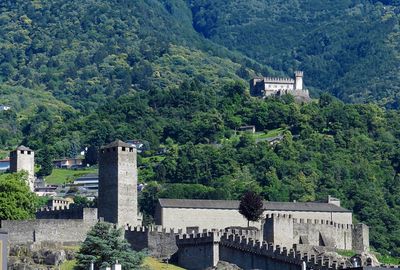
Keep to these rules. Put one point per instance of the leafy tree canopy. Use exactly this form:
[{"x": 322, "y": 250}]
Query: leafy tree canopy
[
  {"x": 251, "y": 206},
  {"x": 17, "y": 202}
]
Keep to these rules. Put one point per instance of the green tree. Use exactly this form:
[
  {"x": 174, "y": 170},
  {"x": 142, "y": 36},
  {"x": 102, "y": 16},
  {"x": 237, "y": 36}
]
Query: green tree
[
  {"x": 16, "y": 200},
  {"x": 91, "y": 155},
  {"x": 148, "y": 201},
  {"x": 46, "y": 163},
  {"x": 83, "y": 201},
  {"x": 104, "y": 245},
  {"x": 251, "y": 206}
]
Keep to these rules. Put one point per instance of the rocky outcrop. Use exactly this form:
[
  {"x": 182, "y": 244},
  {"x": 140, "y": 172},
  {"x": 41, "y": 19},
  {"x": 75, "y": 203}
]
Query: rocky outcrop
[
  {"x": 31, "y": 256},
  {"x": 225, "y": 266}
]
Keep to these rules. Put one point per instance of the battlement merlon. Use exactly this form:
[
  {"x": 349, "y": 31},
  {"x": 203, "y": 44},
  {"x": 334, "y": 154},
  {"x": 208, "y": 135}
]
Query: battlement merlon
[
  {"x": 64, "y": 212},
  {"x": 309, "y": 221},
  {"x": 278, "y": 80},
  {"x": 200, "y": 238},
  {"x": 299, "y": 73},
  {"x": 157, "y": 229}
]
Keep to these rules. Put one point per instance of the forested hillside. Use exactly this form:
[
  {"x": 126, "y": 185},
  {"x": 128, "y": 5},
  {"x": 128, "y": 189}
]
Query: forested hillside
[
  {"x": 84, "y": 51},
  {"x": 329, "y": 148},
  {"x": 174, "y": 73},
  {"x": 348, "y": 47},
  {"x": 73, "y": 56}
]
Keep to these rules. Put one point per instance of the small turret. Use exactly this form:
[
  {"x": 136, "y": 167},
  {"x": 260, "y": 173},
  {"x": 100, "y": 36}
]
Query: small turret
[{"x": 298, "y": 80}]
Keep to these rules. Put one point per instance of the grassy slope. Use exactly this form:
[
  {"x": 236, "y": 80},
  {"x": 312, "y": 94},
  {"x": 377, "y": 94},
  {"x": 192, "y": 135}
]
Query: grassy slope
[
  {"x": 183, "y": 64},
  {"x": 154, "y": 264},
  {"x": 260, "y": 135},
  {"x": 68, "y": 265},
  {"x": 385, "y": 259},
  {"x": 24, "y": 101},
  {"x": 4, "y": 154},
  {"x": 151, "y": 263},
  {"x": 61, "y": 176}
]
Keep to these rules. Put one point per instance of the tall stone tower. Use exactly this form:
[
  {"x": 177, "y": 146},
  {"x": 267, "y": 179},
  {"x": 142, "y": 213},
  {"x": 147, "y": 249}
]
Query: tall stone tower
[
  {"x": 23, "y": 159},
  {"x": 117, "y": 201},
  {"x": 298, "y": 80}
]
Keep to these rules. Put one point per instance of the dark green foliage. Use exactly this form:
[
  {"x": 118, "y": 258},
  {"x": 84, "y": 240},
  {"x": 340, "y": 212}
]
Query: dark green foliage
[
  {"x": 328, "y": 148},
  {"x": 17, "y": 202},
  {"x": 87, "y": 53},
  {"x": 83, "y": 73},
  {"x": 251, "y": 206},
  {"x": 104, "y": 245},
  {"x": 46, "y": 162},
  {"x": 350, "y": 48},
  {"x": 84, "y": 202},
  {"x": 91, "y": 155},
  {"x": 148, "y": 201}
]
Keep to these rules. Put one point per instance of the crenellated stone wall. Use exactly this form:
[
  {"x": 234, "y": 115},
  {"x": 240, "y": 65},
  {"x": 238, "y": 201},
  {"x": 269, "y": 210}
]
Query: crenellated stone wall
[
  {"x": 322, "y": 233},
  {"x": 278, "y": 229},
  {"x": 159, "y": 242},
  {"x": 199, "y": 251},
  {"x": 67, "y": 231},
  {"x": 284, "y": 230},
  {"x": 360, "y": 238},
  {"x": 68, "y": 213},
  {"x": 272, "y": 86}
]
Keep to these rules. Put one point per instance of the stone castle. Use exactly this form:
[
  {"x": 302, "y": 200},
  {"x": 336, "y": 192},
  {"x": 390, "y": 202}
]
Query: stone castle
[
  {"x": 272, "y": 86},
  {"x": 199, "y": 233}
]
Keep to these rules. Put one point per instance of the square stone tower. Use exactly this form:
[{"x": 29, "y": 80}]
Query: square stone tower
[
  {"x": 23, "y": 159},
  {"x": 117, "y": 201},
  {"x": 298, "y": 80}
]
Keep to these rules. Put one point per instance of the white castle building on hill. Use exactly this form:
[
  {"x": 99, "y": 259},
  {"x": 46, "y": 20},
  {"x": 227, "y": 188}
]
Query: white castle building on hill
[{"x": 272, "y": 86}]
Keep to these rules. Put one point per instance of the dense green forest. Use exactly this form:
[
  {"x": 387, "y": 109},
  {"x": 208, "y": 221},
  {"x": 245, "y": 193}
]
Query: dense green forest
[
  {"x": 328, "y": 148},
  {"x": 174, "y": 73},
  {"x": 350, "y": 48}
]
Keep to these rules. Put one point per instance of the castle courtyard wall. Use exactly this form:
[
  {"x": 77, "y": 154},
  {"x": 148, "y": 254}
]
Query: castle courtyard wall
[
  {"x": 158, "y": 242},
  {"x": 223, "y": 218},
  {"x": 333, "y": 235},
  {"x": 360, "y": 237},
  {"x": 279, "y": 230},
  {"x": 249, "y": 260},
  {"x": 337, "y": 217},
  {"x": 47, "y": 230},
  {"x": 198, "y": 251},
  {"x": 203, "y": 218}
]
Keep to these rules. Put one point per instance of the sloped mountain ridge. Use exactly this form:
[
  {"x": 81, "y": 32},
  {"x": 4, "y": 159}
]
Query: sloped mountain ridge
[{"x": 348, "y": 48}]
